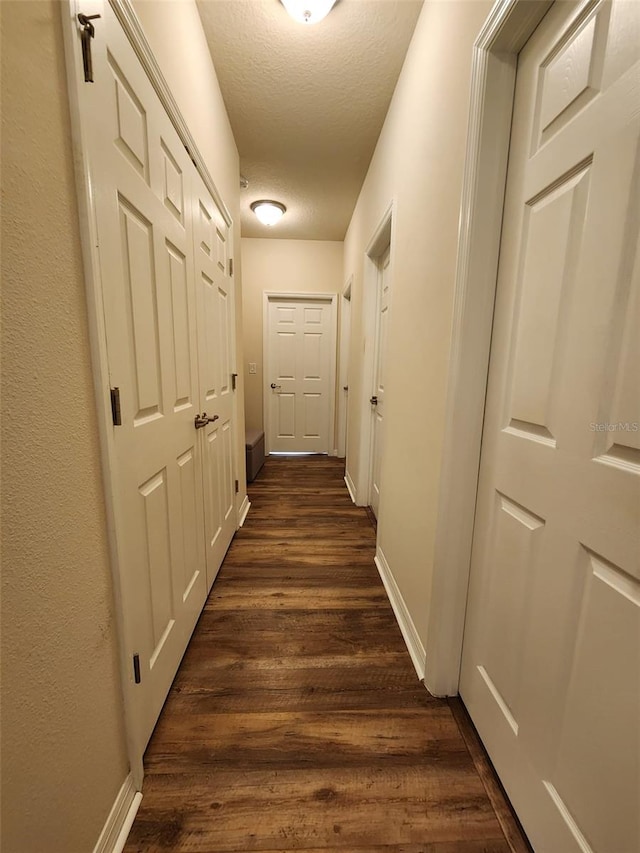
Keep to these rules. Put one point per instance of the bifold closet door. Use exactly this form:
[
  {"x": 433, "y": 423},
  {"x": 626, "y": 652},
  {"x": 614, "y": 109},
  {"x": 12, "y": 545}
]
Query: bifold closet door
[
  {"x": 216, "y": 336},
  {"x": 147, "y": 196}
]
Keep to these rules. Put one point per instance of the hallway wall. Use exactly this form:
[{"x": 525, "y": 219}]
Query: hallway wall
[
  {"x": 305, "y": 266},
  {"x": 63, "y": 745},
  {"x": 418, "y": 162}
]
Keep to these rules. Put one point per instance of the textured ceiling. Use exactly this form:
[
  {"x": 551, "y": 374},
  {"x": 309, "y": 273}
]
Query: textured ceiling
[{"x": 307, "y": 103}]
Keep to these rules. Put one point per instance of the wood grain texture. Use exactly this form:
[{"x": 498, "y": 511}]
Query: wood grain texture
[
  {"x": 296, "y": 721},
  {"x": 503, "y": 809}
]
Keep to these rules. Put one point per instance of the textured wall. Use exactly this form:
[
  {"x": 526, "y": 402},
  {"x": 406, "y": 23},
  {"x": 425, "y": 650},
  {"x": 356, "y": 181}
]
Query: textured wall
[
  {"x": 287, "y": 266},
  {"x": 63, "y": 754},
  {"x": 174, "y": 31},
  {"x": 419, "y": 162}
]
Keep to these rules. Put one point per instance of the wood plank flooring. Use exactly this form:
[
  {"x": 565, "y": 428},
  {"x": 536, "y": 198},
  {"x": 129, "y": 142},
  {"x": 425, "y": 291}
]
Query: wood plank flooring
[{"x": 296, "y": 721}]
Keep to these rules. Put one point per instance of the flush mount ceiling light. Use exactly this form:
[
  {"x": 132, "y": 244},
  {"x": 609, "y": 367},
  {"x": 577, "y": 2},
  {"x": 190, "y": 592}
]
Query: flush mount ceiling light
[
  {"x": 268, "y": 212},
  {"x": 308, "y": 11}
]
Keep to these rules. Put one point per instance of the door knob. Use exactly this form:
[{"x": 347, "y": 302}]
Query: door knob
[
  {"x": 202, "y": 420},
  {"x": 374, "y": 400},
  {"x": 274, "y": 386}
]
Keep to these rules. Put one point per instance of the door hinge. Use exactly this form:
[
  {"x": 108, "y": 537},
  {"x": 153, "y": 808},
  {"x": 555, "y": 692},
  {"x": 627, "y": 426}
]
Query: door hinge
[
  {"x": 237, "y": 487},
  {"x": 136, "y": 669},
  {"x": 115, "y": 407},
  {"x": 230, "y": 266},
  {"x": 87, "y": 33},
  {"x": 234, "y": 381}
]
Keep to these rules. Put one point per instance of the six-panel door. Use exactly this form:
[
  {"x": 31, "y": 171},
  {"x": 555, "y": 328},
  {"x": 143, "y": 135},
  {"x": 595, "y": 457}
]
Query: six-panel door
[
  {"x": 300, "y": 345},
  {"x": 146, "y": 192},
  {"x": 214, "y": 287},
  {"x": 551, "y": 661}
]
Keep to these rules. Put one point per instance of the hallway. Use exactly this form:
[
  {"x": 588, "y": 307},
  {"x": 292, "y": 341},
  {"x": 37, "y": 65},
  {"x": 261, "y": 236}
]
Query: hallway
[{"x": 296, "y": 721}]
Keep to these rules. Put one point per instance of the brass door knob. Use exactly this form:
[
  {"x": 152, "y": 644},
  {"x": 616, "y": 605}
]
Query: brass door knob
[{"x": 202, "y": 420}]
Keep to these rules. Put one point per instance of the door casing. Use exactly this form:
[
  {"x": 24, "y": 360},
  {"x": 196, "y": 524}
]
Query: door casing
[{"x": 508, "y": 27}]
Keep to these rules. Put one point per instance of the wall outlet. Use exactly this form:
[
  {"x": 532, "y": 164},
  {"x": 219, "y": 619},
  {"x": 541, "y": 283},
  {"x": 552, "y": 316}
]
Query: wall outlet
[{"x": 252, "y": 367}]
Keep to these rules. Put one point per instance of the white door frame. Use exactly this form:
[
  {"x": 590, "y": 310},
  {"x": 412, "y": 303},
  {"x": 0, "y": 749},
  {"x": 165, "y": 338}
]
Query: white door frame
[
  {"x": 383, "y": 238},
  {"x": 345, "y": 347},
  {"x": 305, "y": 297},
  {"x": 130, "y": 23},
  {"x": 508, "y": 27}
]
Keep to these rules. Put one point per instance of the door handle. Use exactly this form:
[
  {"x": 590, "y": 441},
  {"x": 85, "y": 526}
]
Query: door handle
[
  {"x": 274, "y": 386},
  {"x": 202, "y": 420},
  {"x": 374, "y": 400}
]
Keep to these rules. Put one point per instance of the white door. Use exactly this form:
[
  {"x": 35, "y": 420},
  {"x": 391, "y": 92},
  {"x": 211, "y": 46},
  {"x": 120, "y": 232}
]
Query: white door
[
  {"x": 145, "y": 190},
  {"x": 343, "y": 393},
  {"x": 214, "y": 286},
  {"x": 377, "y": 397},
  {"x": 551, "y": 659},
  {"x": 300, "y": 374}
]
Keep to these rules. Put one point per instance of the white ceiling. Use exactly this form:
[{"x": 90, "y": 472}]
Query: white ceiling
[{"x": 307, "y": 103}]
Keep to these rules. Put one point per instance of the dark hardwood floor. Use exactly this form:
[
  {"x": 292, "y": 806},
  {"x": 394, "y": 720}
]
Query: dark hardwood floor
[{"x": 296, "y": 721}]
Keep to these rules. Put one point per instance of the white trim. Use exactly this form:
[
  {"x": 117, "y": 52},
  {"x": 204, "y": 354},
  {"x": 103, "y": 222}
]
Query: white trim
[
  {"x": 244, "y": 511},
  {"x": 120, "y": 820},
  {"x": 401, "y": 611},
  {"x": 350, "y": 487},
  {"x": 508, "y": 27},
  {"x": 305, "y": 297},
  {"x": 383, "y": 237}
]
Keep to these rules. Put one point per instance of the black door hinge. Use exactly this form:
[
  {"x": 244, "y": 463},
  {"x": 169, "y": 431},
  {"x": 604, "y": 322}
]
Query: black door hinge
[
  {"x": 230, "y": 266},
  {"x": 115, "y": 407},
  {"x": 87, "y": 33},
  {"x": 234, "y": 381},
  {"x": 237, "y": 487},
  {"x": 136, "y": 668}
]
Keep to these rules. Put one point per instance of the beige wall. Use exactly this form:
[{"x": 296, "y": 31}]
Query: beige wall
[
  {"x": 175, "y": 33},
  {"x": 418, "y": 162},
  {"x": 287, "y": 266},
  {"x": 63, "y": 747}
]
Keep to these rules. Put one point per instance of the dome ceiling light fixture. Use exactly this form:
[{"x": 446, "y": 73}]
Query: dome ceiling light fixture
[
  {"x": 308, "y": 11},
  {"x": 268, "y": 212}
]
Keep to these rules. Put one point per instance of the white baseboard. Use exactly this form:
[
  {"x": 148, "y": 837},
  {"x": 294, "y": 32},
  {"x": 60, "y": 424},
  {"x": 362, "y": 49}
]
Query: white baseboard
[
  {"x": 118, "y": 825},
  {"x": 411, "y": 638},
  {"x": 244, "y": 510},
  {"x": 350, "y": 487}
]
